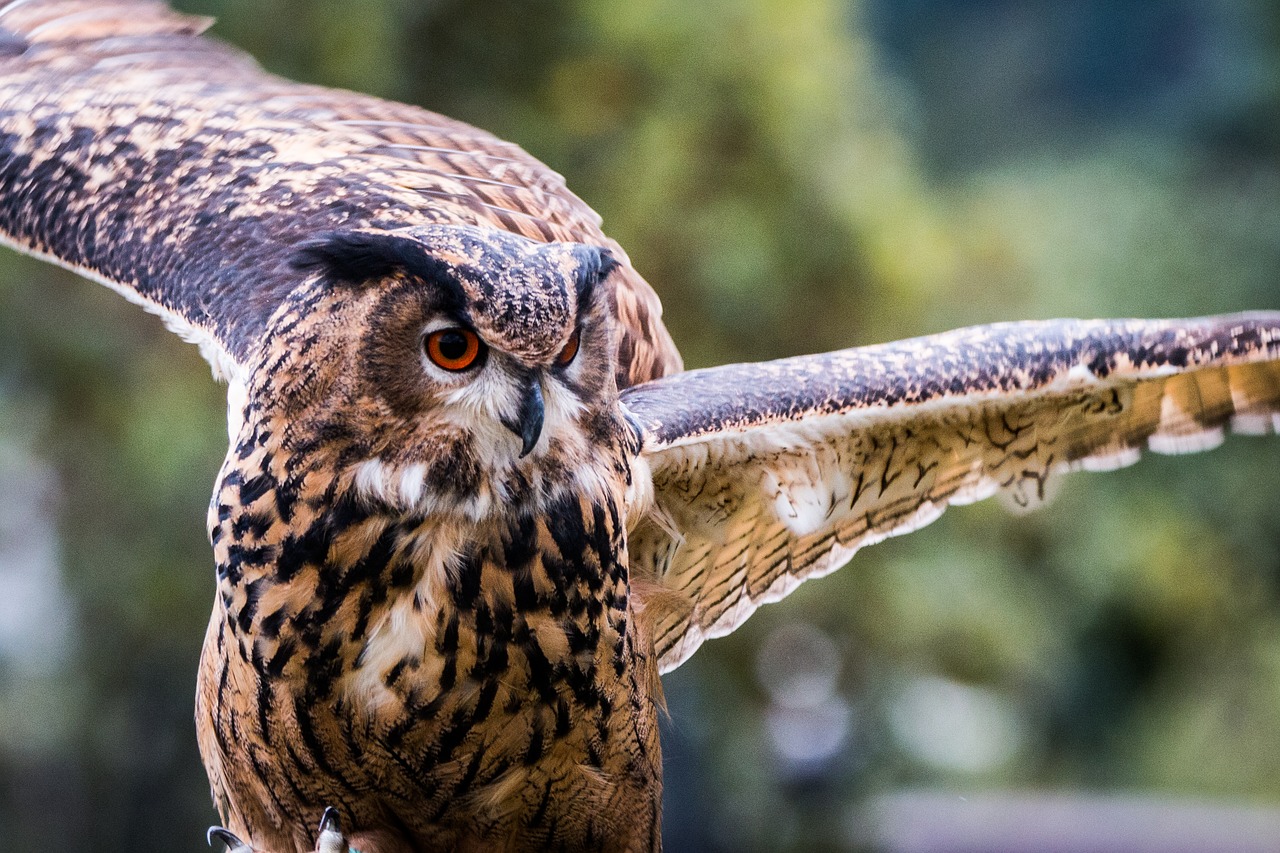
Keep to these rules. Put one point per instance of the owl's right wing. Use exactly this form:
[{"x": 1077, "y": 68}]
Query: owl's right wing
[
  {"x": 767, "y": 474},
  {"x": 170, "y": 167}
]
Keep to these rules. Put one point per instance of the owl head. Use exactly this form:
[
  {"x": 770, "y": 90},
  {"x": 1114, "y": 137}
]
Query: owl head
[{"x": 445, "y": 365}]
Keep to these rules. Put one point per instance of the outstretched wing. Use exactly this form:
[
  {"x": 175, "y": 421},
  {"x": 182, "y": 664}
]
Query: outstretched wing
[
  {"x": 767, "y": 474},
  {"x": 171, "y": 168}
]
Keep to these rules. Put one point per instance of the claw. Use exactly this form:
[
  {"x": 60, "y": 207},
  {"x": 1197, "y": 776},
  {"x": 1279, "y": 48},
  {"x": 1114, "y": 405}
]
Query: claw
[
  {"x": 228, "y": 838},
  {"x": 331, "y": 838}
]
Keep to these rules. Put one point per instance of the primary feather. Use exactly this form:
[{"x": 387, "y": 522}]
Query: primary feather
[
  {"x": 170, "y": 167},
  {"x": 767, "y": 474}
]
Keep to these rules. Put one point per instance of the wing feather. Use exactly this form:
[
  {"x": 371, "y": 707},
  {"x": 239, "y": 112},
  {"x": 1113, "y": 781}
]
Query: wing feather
[
  {"x": 171, "y": 167},
  {"x": 765, "y": 475}
]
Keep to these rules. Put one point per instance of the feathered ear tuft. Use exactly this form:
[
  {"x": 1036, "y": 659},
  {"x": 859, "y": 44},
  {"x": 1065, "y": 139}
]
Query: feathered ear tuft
[
  {"x": 594, "y": 266},
  {"x": 354, "y": 257}
]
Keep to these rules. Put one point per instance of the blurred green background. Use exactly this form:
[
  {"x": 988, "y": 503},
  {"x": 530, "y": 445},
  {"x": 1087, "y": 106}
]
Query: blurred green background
[{"x": 792, "y": 176}]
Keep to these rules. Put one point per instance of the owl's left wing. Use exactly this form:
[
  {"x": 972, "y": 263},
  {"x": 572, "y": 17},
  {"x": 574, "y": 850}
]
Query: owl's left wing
[
  {"x": 767, "y": 474},
  {"x": 170, "y": 167}
]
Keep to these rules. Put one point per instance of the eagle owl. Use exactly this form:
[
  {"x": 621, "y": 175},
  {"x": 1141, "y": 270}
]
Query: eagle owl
[{"x": 471, "y": 507}]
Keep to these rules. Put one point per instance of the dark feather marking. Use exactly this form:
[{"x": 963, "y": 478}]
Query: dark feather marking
[
  {"x": 455, "y": 732},
  {"x": 317, "y": 750},
  {"x": 542, "y": 676},
  {"x": 533, "y": 752},
  {"x": 393, "y": 674},
  {"x": 220, "y": 698},
  {"x": 469, "y": 775},
  {"x": 265, "y": 700},
  {"x": 562, "y": 717},
  {"x": 253, "y": 523},
  {"x": 356, "y": 257},
  {"x": 484, "y": 703},
  {"x": 252, "y": 592},
  {"x": 284, "y": 652},
  {"x": 466, "y": 583},
  {"x": 323, "y": 669}
]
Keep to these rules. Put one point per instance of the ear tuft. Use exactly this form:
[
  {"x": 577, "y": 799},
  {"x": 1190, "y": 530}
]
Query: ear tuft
[
  {"x": 354, "y": 257},
  {"x": 350, "y": 257},
  {"x": 594, "y": 266}
]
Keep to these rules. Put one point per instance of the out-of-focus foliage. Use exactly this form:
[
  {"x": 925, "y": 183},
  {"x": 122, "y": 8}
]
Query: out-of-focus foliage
[{"x": 792, "y": 175}]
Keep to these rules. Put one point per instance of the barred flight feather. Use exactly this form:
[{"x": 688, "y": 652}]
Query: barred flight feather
[{"x": 777, "y": 472}]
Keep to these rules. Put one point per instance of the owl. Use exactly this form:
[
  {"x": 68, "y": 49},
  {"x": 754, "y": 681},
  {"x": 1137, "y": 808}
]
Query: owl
[{"x": 472, "y": 508}]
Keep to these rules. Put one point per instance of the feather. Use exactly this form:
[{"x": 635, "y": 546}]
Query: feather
[
  {"x": 170, "y": 167},
  {"x": 777, "y": 472}
]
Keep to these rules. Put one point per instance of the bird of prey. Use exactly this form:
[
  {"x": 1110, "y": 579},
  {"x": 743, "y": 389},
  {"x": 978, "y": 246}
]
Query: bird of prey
[{"x": 472, "y": 508}]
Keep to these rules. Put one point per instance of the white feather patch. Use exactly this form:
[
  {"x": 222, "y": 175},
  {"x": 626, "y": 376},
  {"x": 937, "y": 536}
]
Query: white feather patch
[
  {"x": 802, "y": 499},
  {"x": 407, "y": 628},
  {"x": 413, "y": 483},
  {"x": 1187, "y": 443},
  {"x": 1121, "y": 458},
  {"x": 374, "y": 479},
  {"x": 237, "y": 399},
  {"x": 1256, "y": 423}
]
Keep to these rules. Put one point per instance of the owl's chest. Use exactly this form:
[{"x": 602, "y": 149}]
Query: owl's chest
[
  {"x": 479, "y": 675},
  {"x": 518, "y": 697},
  {"x": 508, "y": 647}
]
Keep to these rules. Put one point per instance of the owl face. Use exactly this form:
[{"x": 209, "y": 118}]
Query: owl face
[{"x": 459, "y": 366}]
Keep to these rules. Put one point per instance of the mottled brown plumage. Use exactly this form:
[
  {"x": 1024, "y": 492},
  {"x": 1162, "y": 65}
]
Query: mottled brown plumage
[
  {"x": 416, "y": 625},
  {"x": 448, "y": 581},
  {"x": 172, "y": 167},
  {"x": 775, "y": 473}
]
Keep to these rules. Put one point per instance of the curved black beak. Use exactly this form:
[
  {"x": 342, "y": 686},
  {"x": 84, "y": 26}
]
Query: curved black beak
[{"x": 528, "y": 424}]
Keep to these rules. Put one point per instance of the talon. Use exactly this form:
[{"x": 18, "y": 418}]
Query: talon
[
  {"x": 228, "y": 838},
  {"x": 331, "y": 838}
]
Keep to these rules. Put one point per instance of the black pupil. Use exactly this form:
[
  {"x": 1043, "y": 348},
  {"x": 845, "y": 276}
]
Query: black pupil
[{"x": 452, "y": 345}]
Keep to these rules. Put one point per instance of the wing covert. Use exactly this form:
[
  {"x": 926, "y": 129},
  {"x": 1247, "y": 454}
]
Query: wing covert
[
  {"x": 767, "y": 474},
  {"x": 170, "y": 167}
]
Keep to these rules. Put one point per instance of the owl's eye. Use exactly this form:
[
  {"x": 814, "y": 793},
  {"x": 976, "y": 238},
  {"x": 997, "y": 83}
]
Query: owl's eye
[
  {"x": 454, "y": 348},
  {"x": 565, "y": 358}
]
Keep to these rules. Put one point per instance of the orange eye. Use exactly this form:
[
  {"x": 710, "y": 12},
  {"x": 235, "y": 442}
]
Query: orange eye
[
  {"x": 453, "y": 348},
  {"x": 565, "y": 358}
]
